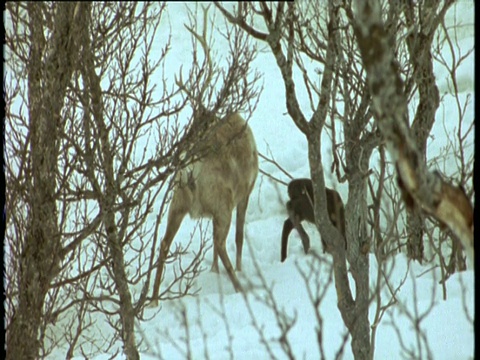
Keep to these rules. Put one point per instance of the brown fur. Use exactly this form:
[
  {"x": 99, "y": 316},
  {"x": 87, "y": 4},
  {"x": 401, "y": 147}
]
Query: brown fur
[
  {"x": 212, "y": 187},
  {"x": 300, "y": 208}
]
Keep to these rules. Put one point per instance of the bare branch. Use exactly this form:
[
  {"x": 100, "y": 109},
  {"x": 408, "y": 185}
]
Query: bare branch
[{"x": 445, "y": 202}]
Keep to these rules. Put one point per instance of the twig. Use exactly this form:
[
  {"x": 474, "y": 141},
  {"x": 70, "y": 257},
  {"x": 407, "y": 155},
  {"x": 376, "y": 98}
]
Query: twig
[{"x": 274, "y": 162}]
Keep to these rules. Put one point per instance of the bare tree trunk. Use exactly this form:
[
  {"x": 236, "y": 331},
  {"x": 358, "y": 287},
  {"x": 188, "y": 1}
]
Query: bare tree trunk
[
  {"x": 445, "y": 202},
  {"x": 419, "y": 45},
  {"x": 457, "y": 260},
  {"x": 107, "y": 203},
  {"x": 127, "y": 312},
  {"x": 354, "y": 312},
  {"x": 358, "y": 258},
  {"x": 41, "y": 256},
  {"x": 415, "y": 230}
]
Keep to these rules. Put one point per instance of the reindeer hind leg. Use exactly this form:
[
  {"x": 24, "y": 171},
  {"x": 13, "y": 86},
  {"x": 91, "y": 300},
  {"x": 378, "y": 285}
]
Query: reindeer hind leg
[
  {"x": 239, "y": 230},
  {"x": 297, "y": 223},
  {"x": 176, "y": 215},
  {"x": 215, "y": 259},
  {"x": 221, "y": 225},
  {"x": 287, "y": 229}
]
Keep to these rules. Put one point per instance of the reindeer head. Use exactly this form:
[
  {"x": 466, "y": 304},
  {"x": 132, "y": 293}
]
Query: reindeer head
[{"x": 215, "y": 91}]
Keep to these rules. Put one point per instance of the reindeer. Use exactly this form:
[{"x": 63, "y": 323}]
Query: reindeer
[
  {"x": 300, "y": 208},
  {"x": 216, "y": 183}
]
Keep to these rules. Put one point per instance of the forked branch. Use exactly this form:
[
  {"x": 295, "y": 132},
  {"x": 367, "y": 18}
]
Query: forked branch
[{"x": 440, "y": 199}]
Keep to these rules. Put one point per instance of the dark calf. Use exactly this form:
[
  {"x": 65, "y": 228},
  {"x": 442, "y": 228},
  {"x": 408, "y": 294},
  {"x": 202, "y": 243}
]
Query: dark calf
[{"x": 300, "y": 207}]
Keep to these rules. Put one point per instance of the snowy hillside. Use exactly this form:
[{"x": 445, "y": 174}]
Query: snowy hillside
[{"x": 220, "y": 324}]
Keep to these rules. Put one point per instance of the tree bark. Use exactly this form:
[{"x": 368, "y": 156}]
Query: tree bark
[
  {"x": 354, "y": 312},
  {"x": 427, "y": 190},
  {"x": 49, "y": 69},
  {"x": 107, "y": 201},
  {"x": 419, "y": 44},
  {"x": 283, "y": 25}
]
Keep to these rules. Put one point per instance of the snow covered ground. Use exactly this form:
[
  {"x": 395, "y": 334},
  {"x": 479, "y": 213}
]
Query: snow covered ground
[{"x": 222, "y": 324}]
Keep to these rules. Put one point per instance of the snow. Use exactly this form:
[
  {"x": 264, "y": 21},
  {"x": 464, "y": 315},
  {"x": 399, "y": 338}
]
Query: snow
[{"x": 221, "y": 323}]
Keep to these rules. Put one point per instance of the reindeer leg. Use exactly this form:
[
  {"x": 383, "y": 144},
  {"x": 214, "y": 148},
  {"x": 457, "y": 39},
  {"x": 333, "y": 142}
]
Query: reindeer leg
[
  {"x": 297, "y": 223},
  {"x": 175, "y": 218},
  {"x": 287, "y": 229},
  {"x": 221, "y": 225},
  {"x": 303, "y": 236},
  {"x": 239, "y": 230},
  {"x": 215, "y": 260}
]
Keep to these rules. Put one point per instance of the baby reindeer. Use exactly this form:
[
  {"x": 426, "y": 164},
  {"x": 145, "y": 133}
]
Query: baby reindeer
[{"x": 300, "y": 207}]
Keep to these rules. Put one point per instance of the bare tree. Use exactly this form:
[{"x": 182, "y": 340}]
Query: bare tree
[
  {"x": 82, "y": 187},
  {"x": 458, "y": 150},
  {"x": 447, "y": 203},
  {"x": 51, "y": 63},
  {"x": 331, "y": 36},
  {"x": 293, "y": 31},
  {"x": 81, "y": 113}
]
